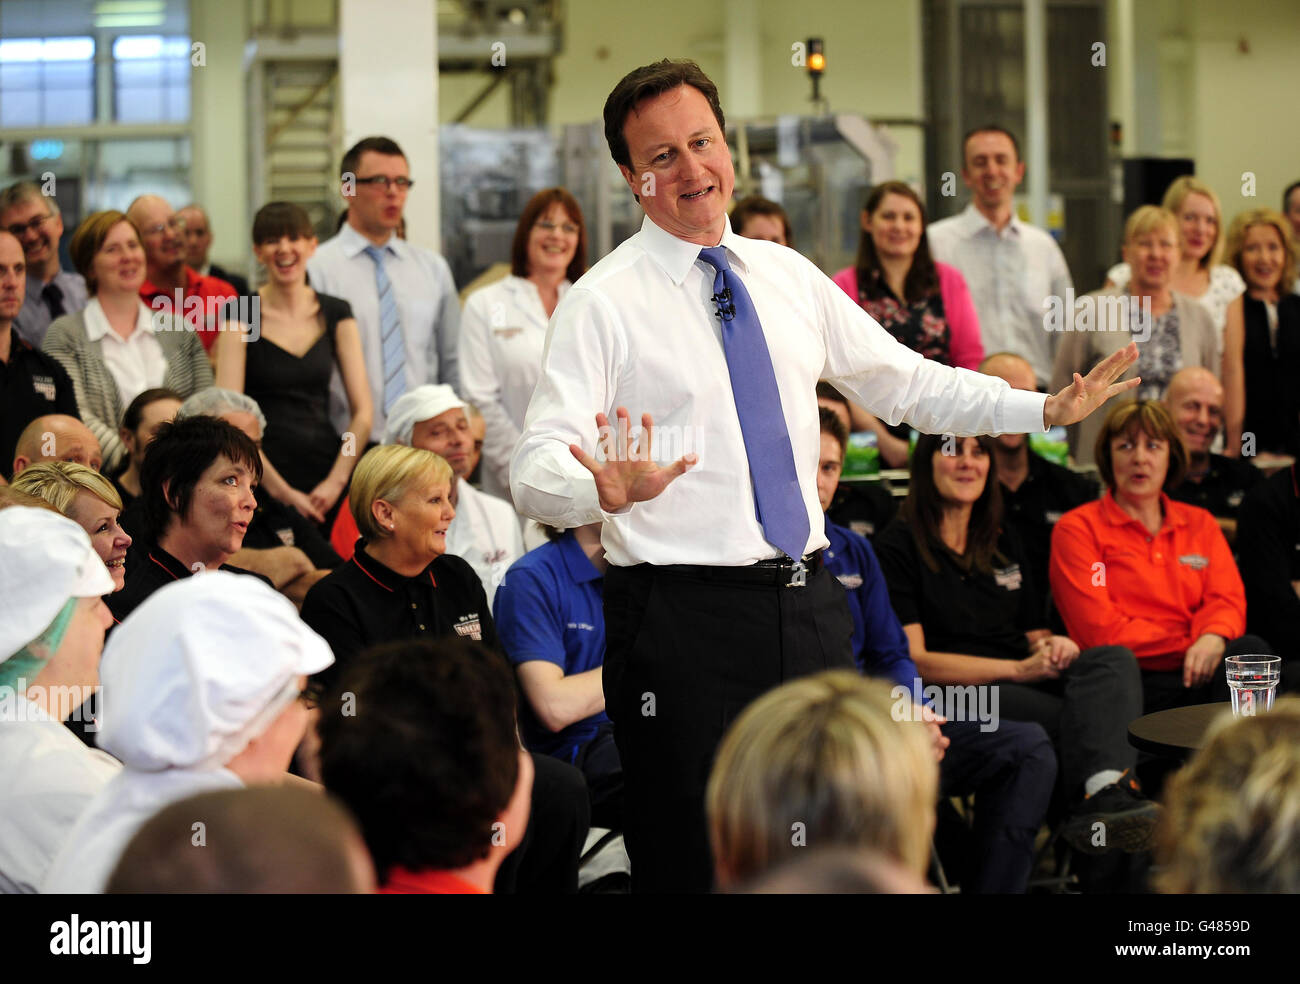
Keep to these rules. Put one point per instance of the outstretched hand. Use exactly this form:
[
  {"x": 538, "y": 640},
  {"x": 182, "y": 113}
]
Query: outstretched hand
[
  {"x": 1086, "y": 394},
  {"x": 628, "y": 474}
]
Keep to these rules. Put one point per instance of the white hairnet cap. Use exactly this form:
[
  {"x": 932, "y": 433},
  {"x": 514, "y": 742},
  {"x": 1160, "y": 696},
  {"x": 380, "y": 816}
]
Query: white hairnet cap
[
  {"x": 45, "y": 559},
  {"x": 420, "y": 404},
  {"x": 201, "y": 668}
]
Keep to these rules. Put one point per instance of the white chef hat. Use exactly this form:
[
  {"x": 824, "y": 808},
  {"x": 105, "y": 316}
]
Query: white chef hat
[
  {"x": 46, "y": 560},
  {"x": 201, "y": 668},
  {"x": 417, "y": 405}
]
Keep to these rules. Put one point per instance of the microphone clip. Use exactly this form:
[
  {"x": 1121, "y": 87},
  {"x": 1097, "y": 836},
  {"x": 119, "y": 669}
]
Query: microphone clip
[{"x": 726, "y": 309}]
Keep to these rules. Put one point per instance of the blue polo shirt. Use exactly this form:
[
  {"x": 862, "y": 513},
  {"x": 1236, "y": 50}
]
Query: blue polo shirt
[
  {"x": 879, "y": 644},
  {"x": 550, "y": 606}
]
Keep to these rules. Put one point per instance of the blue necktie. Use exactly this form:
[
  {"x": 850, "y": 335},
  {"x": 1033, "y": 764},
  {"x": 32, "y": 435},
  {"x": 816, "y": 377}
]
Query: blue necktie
[
  {"x": 781, "y": 509},
  {"x": 390, "y": 332}
]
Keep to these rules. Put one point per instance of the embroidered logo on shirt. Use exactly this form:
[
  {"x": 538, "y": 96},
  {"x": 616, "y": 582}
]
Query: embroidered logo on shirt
[
  {"x": 507, "y": 332},
  {"x": 1008, "y": 577},
  {"x": 44, "y": 385},
  {"x": 469, "y": 626},
  {"x": 1052, "y": 517},
  {"x": 863, "y": 528},
  {"x": 1195, "y": 561},
  {"x": 584, "y": 626},
  {"x": 1234, "y": 498},
  {"x": 286, "y": 536},
  {"x": 850, "y": 581}
]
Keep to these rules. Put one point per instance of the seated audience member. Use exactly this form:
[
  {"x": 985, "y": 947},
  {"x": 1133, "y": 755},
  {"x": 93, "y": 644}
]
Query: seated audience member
[
  {"x": 1010, "y": 770},
  {"x": 302, "y": 340},
  {"x": 117, "y": 347},
  {"x": 202, "y": 300},
  {"x": 1213, "y": 482},
  {"x": 478, "y": 434},
  {"x": 1268, "y": 555},
  {"x": 960, "y": 584},
  {"x": 838, "y": 871},
  {"x": 263, "y": 840},
  {"x": 756, "y": 217},
  {"x": 197, "y": 237},
  {"x": 52, "y": 624},
  {"x": 281, "y": 545},
  {"x": 433, "y": 771},
  {"x": 1261, "y": 344},
  {"x": 204, "y": 682},
  {"x": 864, "y": 507},
  {"x": 1175, "y": 331},
  {"x": 143, "y": 416},
  {"x": 820, "y": 762},
  {"x": 33, "y": 217},
  {"x": 485, "y": 530},
  {"x": 400, "y": 585},
  {"x": 1035, "y": 492},
  {"x": 1139, "y": 570},
  {"x": 198, "y": 479},
  {"x": 924, "y": 304},
  {"x": 551, "y": 623},
  {"x": 56, "y": 437},
  {"x": 32, "y": 384},
  {"x": 1232, "y": 822},
  {"x": 88, "y": 499}
]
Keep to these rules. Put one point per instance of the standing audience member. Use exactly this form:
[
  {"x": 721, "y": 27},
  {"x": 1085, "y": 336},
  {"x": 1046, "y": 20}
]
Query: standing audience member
[
  {"x": 1268, "y": 553},
  {"x": 756, "y": 217},
  {"x": 34, "y": 218},
  {"x": 1011, "y": 267},
  {"x": 1138, "y": 570},
  {"x": 56, "y": 437},
  {"x": 304, "y": 338},
  {"x": 1261, "y": 347},
  {"x": 172, "y": 287},
  {"x": 1175, "y": 331},
  {"x": 117, "y": 347},
  {"x": 198, "y": 243},
  {"x": 52, "y": 624},
  {"x": 433, "y": 769},
  {"x": 402, "y": 296},
  {"x": 503, "y": 327},
  {"x": 1214, "y": 482},
  {"x": 32, "y": 384},
  {"x": 204, "y": 683},
  {"x": 143, "y": 416},
  {"x": 1291, "y": 209}
]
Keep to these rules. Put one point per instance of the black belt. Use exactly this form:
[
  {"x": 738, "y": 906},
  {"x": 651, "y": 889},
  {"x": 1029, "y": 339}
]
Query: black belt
[{"x": 778, "y": 571}]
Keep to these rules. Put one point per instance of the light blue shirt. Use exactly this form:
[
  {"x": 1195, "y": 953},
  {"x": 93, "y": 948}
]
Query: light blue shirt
[{"x": 34, "y": 318}]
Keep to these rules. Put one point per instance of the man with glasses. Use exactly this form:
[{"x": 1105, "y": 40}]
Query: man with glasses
[
  {"x": 170, "y": 285},
  {"x": 402, "y": 295},
  {"x": 34, "y": 220}
]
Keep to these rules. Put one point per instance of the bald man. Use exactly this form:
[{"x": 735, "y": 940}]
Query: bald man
[
  {"x": 198, "y": 243},
  {"x": 57, "y": 437},
  {"x": 170, "y": 285},
  {"x": 1195, "y": 401},
  {"x": 1035, "y": 492}
]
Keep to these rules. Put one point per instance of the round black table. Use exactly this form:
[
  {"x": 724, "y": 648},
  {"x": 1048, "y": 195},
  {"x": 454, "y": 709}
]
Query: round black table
[{"x": 1178, "y": 731}]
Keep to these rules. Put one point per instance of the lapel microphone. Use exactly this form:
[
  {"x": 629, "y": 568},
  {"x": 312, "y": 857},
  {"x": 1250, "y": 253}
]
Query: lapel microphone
[{"x": 726, "y": 310}]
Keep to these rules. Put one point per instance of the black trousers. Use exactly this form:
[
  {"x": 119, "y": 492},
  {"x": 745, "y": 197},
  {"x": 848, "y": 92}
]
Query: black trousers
[
  {"x": 684, "y": 655},
  {"x": 1163, "y": 689},
  {"x": 546, "y": 860}
]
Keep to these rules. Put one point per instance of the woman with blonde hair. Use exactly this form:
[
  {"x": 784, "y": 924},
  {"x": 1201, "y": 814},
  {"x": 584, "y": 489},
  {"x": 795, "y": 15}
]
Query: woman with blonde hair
[
  {"x": 822, "y": 761},
  {"x": 1232, "y": 815}
]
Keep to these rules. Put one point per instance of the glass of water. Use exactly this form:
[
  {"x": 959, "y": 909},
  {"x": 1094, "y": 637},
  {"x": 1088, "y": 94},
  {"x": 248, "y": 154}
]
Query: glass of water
[{"x": 1252, "y": 681}]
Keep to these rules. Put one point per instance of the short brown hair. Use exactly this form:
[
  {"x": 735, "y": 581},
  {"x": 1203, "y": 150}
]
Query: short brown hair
[
  {"x": 647, "y": 82},
  {"x": 832, "y": 425},
  {"x": 1152, "y": 419},
  {"x": 1237, "y": 241},
  {"x": 275, "y": 220},
  {"x": 532, "y": 214},
  {"x": 89, "y": 238},
  {"x": 758, "y": 205}
]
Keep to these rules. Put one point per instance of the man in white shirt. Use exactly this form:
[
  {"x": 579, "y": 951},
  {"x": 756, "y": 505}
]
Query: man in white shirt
[
  {"x": 52, "y": 292},
  {"x": 703, "y": 611},
  {"x": 1010, "y": 266},
  {"x": 403, "y": 296}
]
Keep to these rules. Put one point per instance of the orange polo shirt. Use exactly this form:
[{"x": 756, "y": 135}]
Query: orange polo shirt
[
  {"x": 1117, "y": 585},
  {"x": 403, "y": 881}
]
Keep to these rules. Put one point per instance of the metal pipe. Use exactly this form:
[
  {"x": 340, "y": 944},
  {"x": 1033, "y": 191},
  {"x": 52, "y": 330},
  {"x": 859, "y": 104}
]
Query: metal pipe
[{"x": 1036, "y": 110}]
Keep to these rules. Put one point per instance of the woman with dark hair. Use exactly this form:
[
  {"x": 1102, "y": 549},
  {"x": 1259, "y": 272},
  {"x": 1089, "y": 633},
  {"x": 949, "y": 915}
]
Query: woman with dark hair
[
  {"x": 922, "y": 303},
  {"x": 143, "y": 416},
  {"x": 958, "y": 582},
  {"x": 503, "y": 326},
  {"x": 286, "y": 364}
]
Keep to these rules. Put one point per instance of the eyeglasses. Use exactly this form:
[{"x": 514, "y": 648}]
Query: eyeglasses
[
  {"x": 33, "y": 226},
  {"x": 382, "y": 181},
  {"x": 569, "y": 229},
  {"x": 175, "y": 223}
]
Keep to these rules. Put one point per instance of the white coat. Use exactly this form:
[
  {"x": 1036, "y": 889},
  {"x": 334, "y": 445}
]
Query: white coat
[{"x": 485, "y": 533}]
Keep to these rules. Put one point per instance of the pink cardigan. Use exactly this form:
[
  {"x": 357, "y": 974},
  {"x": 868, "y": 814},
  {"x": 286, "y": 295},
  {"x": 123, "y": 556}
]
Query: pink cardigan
[{"x": 964, "y": 345}]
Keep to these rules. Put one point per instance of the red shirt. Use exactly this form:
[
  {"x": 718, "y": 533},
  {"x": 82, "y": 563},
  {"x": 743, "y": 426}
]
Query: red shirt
[
  {"x": 344, "y": 535},
  {"x": 1115, "y": 584},
  {"x": 201, "y": 303},
  {"x": 402, "y": 881}
]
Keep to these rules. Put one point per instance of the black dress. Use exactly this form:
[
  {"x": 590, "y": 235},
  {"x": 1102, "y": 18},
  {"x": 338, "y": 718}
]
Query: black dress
[
  {"x": 294, "y": 393},
  {"x": 1272, "y": 370}
]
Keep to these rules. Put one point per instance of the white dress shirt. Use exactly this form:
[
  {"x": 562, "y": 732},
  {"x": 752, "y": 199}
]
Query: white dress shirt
[
  {"x": 136, "y": 363},
  {"x": 1009, "y": 275},
  {"x": 485, "y": 533},
  {"x": 502, "y": 333},
  {"x": 48, "y": 778},
  {"x": 639, "y": 330},
  {"x": 427, "y": 305}
]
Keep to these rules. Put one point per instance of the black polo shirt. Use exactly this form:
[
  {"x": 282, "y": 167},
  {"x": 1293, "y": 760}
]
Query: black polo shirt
[
  {"x": 1221, "y": 488},
  {"x": 967, "y": 612},
  {"x": 863, "y": 507},
  {"x": 1268, "y": 556},
  {"x": 32, "y": 384},
  {"x": 149, "y": 568},
  {"x": 363, "y": 603}
]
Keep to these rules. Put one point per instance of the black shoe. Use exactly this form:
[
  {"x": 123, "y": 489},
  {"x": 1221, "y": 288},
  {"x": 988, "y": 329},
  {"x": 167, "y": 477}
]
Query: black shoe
[{"x": 1127, "y": 819}]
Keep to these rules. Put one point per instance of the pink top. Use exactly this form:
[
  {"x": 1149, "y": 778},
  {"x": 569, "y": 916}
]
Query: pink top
[{"x": 964, "y": 345}]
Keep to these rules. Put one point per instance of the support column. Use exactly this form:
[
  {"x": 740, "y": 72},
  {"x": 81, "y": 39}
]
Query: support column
[
  {"x": 1036, "y": 110},
  {"x": 743, "y": 95}
]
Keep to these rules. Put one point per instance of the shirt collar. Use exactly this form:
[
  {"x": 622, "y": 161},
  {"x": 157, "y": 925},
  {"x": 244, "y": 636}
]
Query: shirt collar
[
  {"x": 354, "y": 244},
  {"x": 974, "y": 222},
  {"x": 677, "y": 256},
  {"x": 385, "y": 577},
  {"x": 576, "y": 561},
  {"x": 157, "y": 556},
  {"x": 1116, "y": 516},
  {"x": 97, "y": 321}
]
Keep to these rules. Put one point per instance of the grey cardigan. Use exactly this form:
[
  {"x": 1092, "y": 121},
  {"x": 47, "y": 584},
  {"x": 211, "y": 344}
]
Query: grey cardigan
[
  {"x": 1079, "y": 351},
  {"x": 98, "y": 399}
]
